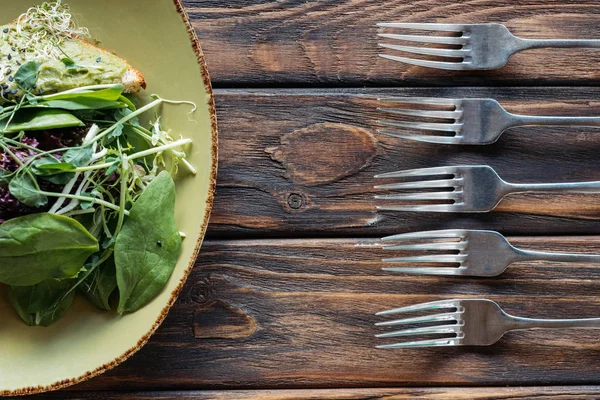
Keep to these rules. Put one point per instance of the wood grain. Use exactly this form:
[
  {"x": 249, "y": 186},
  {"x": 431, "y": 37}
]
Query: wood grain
[
  {"x": 301, "y": 163},
  {"x": 288, "y": 314},
  {"x": 294, "y": 42},
  {"x": 491, "y": 393}
]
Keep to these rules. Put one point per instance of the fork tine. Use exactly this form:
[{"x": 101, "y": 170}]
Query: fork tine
[
  {"x": 423, "y": 113},
  {"x": 422, "y": 208},
  {"x": 419, "y": 172},
  {"x": 438, "y": 258},
  {"x": 427, "y": 246},
  {"x": 425, "y": 138},
  {"x": 426, "y": 39},
  {"x": 453, "y": 316},
  {"x": 427, "y": 271},
  {"x": 429, "y": 330},
  {"x": 421, "y": 100},
  {"x": 450, "y": 66},
  {"x": 440, "y": 234},
  {"x": 424, "y": 26},
  {"x": 422, "y": 343},
  {"x": 431, "y": 305},
  {"x": 427, "y": 126},
  {"x": 430, "y": 51},
  {"x": 456, "y": 195},
  {"x": 442, "y": 183}
]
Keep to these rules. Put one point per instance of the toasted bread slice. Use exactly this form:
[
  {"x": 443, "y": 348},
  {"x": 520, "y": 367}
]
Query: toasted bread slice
[
  {"x": 66, "y": 60},
  {"x": 132, "y": 79}
]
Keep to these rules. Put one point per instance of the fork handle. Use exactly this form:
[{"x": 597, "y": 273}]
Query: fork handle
[
  {"x": 523, "y": 120},
  {"x": 529, "y": 255},
  {"x": 519, "y": 323},
  {"x": 569, "y": 187},
  {"x": 525, "y": 44}
]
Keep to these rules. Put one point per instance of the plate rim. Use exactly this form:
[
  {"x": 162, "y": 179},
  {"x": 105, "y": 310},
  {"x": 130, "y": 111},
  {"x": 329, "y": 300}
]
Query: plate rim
[{"x": 195, "y": 41}]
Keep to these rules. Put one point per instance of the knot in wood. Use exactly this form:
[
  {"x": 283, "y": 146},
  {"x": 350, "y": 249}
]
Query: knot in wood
[{"x": 295, "y": 201}]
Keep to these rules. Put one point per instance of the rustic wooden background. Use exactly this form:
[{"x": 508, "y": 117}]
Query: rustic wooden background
[{"x": 281, "y": 303}]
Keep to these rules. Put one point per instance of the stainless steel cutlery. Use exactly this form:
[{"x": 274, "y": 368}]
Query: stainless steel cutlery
[
  {"x": 469, "y": 121},
  {"x": 466, "y": 252},
  {"x": 466, "y": 322},
  {"x": 465, "y": 188},
  {"x": 473, "y": 46}
]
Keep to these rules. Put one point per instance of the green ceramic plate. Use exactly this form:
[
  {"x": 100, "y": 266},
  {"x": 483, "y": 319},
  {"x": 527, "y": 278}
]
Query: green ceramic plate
[{"x": 155, "y": 37}]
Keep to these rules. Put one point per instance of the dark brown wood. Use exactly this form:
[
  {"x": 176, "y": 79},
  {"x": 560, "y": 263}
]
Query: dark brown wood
[
  {"x": 299, "y": 314},
  {"x": 269, "y": 42},
  {"x": 491, "y": 393},
  {"x": 301, "y": 162}
]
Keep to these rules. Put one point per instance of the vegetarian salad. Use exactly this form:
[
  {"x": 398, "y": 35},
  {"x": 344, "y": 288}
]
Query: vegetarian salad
[{"x": 86, "y": 189}]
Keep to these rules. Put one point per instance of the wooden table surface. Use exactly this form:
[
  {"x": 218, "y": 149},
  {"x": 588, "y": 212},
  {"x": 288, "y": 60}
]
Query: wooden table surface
[{"x": 282, "y": 300}]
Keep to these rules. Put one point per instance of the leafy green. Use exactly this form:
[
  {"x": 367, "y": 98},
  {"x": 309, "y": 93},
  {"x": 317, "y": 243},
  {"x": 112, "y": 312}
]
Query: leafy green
[
  {"x": 110, "y": 94},
  {"x": 114, "y": 167},
  {"x": 42, "y": 304},
  {"x": 42, "y": 119},
  {"x": 148, "y": 246},
  {"x": 118, "y": 131},
  {"x": 120, "y": 199},
  {"x": 23, "y": 188},
  {"x": 27, "y": 74},
  {"x": 83, "y": 103},
  {"x": 51, "y": 166},
  {"x": 5, "y": 177},
  {"x": 59, "y": 179},
  {"x": 100, "y": 285},
  {"x": 43, "y": 246},
  {"x": 86, "y": 204},
  {"x": 78, "y": 156},
  {"x": 123, "y": 112}
]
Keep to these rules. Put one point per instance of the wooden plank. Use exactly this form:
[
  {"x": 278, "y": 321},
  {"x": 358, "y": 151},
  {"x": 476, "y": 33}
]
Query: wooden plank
[
  {"x": 489, "y": 393},
  {"x": 289, "y": 314},
  {"x": 269, "y": 42},
  {"x": 301, "y": 162}
]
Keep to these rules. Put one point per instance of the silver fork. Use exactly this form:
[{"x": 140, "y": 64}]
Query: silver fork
[
  {"x": 474, "y": 121},
  {"x": 473, "y": 322},
  {"x": 480, "y": 46},
  {"x": 480, "y": 253},
  {"x": 467, "y": 188}
]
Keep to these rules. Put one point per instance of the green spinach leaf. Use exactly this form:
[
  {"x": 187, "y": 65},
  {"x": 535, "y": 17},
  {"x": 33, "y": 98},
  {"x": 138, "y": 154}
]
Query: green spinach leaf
[
  {"x": 43, "y": 246},
  {"x": 23, "y": 189},
  {"x": 42, "y": 304},
  {"x": 41, "y": 119},
  {"x": 27, "y": 74},
  {"x": 50, "y": 166},
  {"x": 59, "y": 179},
  {"x": 148, "y": 246},
  {"x": 100, "y": 285},
  {"x": 110, "y": 94},
  {"x": 83, "y": 103}
]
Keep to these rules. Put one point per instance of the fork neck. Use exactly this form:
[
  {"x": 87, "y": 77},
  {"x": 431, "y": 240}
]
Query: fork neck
[
  {"x": 523, "y": 120},
  {"x": 569, "y": 187},
  {"x": 519, "y": 323},
  {"x": 530, "y": 255},
  {"x": 524, "y": 44}
]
